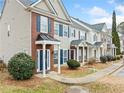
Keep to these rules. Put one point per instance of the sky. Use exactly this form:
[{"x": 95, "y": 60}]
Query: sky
[{"x": 94, "y": 11}]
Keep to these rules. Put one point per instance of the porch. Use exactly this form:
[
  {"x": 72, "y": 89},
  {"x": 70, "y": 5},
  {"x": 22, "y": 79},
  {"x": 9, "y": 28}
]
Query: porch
[
  {"x": 81, "y": 51},
  {"x": 44, "y": 54}
]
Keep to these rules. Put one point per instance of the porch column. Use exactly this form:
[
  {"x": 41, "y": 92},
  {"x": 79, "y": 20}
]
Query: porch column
[
  {"x": 83, "y": 54},
  {"x": 77, "y": 53},
  {"x": 115, "y": 51},
  {"x": 59, "y": 65},
  {"x": 44, "y": 60},
  {"x": 88, "y": 56}
]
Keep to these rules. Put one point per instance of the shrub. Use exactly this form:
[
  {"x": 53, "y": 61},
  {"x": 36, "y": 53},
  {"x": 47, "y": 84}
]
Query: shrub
[
  {"x": 103, "y": 59},
  {"x": 121, "y": 56},
  {"x": 92, "y": 61},
  {"x": 73, "y": 64},
  {"x": 109, "y": 57},
  {"x": 118, "y": 58},
  {"x": 114, "y": 59},
  {"x": 21, "y": 66}
]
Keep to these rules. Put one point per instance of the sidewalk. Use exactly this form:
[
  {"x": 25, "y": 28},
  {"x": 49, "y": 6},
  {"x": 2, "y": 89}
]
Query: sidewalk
[{"x": 87, "y": 79}]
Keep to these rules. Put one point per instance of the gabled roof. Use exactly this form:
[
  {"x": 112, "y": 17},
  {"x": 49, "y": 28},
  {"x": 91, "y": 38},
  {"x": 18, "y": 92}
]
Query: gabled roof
[
  {"x": 80, "y": 41},
  {"x": 27, "y": 3},
  {"x": 98, "y": 44},
  {"x": 79, "y": 26},
  {"x": 46, "y": 37},
  {"x": 99, "y": 26}
]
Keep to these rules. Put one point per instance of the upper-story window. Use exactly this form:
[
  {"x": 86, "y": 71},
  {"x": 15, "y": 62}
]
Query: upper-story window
[
  {"x": 56, "y": 27},
  {"x": 81, "y": 35},
  {"x": 72, "y": 32},
  {"x": 44, "y": 24},
  {"x": 65, "y": 29},
  {"x": 85, "y": 36},
  {"x": 95, "y": 37}
]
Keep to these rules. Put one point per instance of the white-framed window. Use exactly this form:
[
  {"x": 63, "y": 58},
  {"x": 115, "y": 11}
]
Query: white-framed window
[
  {"x": 56, "y": 27},
  {"x": 85, "y": 36},
  {"x": 95, "y": 37},
  {"x": 65, "y": 30},
  {"x": 65, "y": 56},
  {"x": 44, "y": 24},
  {"x": 72, "y": 32},
  {"x": 55, "y": 56},
  {"x": 82, "y": 35}
]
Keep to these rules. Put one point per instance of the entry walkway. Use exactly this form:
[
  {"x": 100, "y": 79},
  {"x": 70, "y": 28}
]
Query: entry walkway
[{"x": 87, "y": 79}]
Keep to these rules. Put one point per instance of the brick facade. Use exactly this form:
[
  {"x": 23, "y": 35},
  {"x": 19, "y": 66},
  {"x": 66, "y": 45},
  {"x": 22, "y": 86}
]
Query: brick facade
[{"x": 34, "y": 37}]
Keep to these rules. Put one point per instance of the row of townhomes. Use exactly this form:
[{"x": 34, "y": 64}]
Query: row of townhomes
[{"x": 44, "y": 30}]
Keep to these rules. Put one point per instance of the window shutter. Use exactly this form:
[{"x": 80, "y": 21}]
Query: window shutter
[
  {"x": 61, "y": 56},
  {"x": 49, "y": 25},
  {"x": 60, "y": 30},
  {"x": 38, "y": 23},
  {"x": 79, "y": 34},
  {"x": 68, "y": 32},
  {"x": 74, "y": 33},
  {"x": 68, "y": 54},
  {"x": 41, "y": 58}
]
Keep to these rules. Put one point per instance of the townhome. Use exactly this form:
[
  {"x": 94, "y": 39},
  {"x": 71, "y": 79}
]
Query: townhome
[
  {"x": 28, "y": 26},
  {"x": 44, "y": 30},
  {"x": 99, "y": 42}
]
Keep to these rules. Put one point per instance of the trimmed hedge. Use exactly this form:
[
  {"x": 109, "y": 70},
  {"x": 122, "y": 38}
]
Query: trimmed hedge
[
  {"x": 73, "y": 64},
  {"x": 118, "y": 58},
  {"x": 103, "y": 59},
  {"x": 109, "y": 58},
  {"x": 21, "y": 66}
]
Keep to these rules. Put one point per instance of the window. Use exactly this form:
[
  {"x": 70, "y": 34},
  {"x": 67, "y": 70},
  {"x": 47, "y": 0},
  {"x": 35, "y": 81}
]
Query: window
[
  {"x": 65, "y": 55},
  {"x": 95, "y": 37},
  {"x": 56, "y": 26},
  {"x": 85, "y": 36},
  {"x": 55, "y": 56},
  {"x": 44, "y": 24},
  {"x": 82, "y": 35},
  {"x": 65, "y": 30},
  {"x": 72, "y": 32}
]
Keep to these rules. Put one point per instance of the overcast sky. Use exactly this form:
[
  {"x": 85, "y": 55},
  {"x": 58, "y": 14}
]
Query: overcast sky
[{"x": 94, "y": 11}]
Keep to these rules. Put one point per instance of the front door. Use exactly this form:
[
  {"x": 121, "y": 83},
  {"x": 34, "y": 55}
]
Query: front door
[
  {"x": 72, "y": 53},
  {"x": 40, "y": 60}
]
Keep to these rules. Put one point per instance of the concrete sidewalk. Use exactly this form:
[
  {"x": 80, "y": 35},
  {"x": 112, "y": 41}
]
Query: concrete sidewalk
[{"x": 87, "y": 79}]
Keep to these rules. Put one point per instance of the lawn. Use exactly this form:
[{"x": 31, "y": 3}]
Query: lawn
[
  {"x": 83, "y": 71},
  {"x": 34, "y": 85},
  {"x": 37, "y": 85}
]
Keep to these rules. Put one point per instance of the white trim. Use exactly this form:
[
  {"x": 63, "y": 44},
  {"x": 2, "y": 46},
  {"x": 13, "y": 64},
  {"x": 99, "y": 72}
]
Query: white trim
[
  {"x": 81, "y": 24},
  {"x": 44, "y": 60},
  {"x": 59, "y": 64},
  {"x": 35, "y": 3},
  {"x": 21, "y": 4},
  {"x": 49, "y": 5},
  {"x": 38, "y": 60},
  {"x": 66, "y": 13},
  {"x": 47, "y": 60},
  {"x": 48, "y": 42},
  {"x": 63, "y": 54},
  {"x": 30, "y": 33}
]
